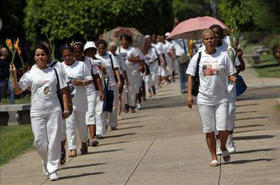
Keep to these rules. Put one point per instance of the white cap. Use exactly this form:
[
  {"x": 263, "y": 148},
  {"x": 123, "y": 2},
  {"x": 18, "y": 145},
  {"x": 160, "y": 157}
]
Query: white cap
[
  {"x": 89, "y": 44},
  {"x": 166, "y": 34},
  {"x": 147, "y": 36}
]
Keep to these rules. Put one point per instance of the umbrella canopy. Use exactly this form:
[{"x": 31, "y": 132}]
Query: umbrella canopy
[
  {"x": 114, "y": 35},
  {"x": 193, "y": 27}
]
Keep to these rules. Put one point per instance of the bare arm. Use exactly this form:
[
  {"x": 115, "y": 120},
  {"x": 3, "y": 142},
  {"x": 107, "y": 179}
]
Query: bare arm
[
  {"x": 77, "y": 82},
  {"x": 118, "y": 74},
  {"x": 190, "y": 88},
  {"x": 99, "y": 85},
  {"x": 67, "y": 102},
  {"x": 16, "y": 88}
]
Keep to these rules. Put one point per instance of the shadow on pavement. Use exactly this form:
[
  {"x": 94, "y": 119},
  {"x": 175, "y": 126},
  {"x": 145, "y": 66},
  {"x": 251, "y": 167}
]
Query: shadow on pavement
[
  {"x": 126, "y": 128},
  {"x": 260, "y": 117},
  {"x": 245, "y": 105},
  {"x": 130, "y": 122},
  {"x": 120, "y": 135},
  {"x": 246, "y": 126},
  {"x": 244, "y": 112},
  {"x": 243, "y": 131},
  {"x": 121, "y": 142},
  {"x": 252, "y": 151},
  {"x": 81, "y": 166},
  {"x": 104, "y": 151},
  {"x": 253, "y": 137},
  {"x": 249, "y": 161},
  {"x": 80, "y": 175}
]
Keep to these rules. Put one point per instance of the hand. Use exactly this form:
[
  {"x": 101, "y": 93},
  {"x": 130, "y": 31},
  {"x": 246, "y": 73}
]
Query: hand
[
  {"x": 119, "y": 84},
  {"x": 232, "y": 79},
  {"x": 101, "y": 96},
  {"x": 127, "y": 83},
  {"x": 76, "y": 82},
  {"x": 189, "y": 101},
  {"x": 66, "y": 114},
  {"x": 13, "y": 69}
]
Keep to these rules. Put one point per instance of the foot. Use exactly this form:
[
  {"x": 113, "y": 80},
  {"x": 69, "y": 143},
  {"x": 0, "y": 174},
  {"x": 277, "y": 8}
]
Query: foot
[
  {"x": 73, "y": 153},
  {"x": 119, "y": 118},
  {"x": 184, "y": 92},
  {"x": 214, "y": 163},
  {"x": 84, "y": 149},
  {"x": 114, "y": 128},
  {"x": 99, "y": 136},
  {"x": 53, "y": 176},
  {"x": 94, "y": 143},
  {"x": 226, "y": 156},
  {"x": 230, "y": 145}
]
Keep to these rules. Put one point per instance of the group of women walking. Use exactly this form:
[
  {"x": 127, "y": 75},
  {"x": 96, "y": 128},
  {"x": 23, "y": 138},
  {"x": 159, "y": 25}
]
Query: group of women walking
[{"x": 73, "y": 94}]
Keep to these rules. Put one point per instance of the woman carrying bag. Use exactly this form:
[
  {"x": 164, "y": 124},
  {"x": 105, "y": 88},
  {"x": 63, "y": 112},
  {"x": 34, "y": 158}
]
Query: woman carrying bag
[
  {"x": 214, "y": 70},
  {"x": 46, "y": 111}
]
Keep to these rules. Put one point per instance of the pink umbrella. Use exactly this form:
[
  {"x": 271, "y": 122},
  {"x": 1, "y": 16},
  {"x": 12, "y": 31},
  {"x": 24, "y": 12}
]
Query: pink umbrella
[{"x": 193, "y": 27}]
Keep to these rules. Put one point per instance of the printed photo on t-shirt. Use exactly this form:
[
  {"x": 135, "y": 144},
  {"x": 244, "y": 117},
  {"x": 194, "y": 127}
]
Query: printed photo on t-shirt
[
  {"x": 72, "y": 88},
  {"x": 210, "y": 68}
]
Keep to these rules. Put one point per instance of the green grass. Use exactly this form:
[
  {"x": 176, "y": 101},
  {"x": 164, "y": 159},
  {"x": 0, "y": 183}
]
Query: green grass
[
  {"x": 14, "y": 140},
  {"x": 22, "y": 100},
  {"x": 277, "y": 107}
]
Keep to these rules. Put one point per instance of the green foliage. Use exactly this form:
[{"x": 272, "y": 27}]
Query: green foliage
[
  {"x": 248, "y": 15},
  {"x": 61, "y": 19},
  {"x": 184, "y": 9},
  {"x": 14, "y": 140}
]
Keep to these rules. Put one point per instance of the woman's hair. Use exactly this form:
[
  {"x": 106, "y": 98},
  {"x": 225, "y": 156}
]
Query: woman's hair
[
  {"x": 206, "y": 32},
  {"x": 97, "y": 43},
  {"x": 78, "y": 44},
  {"x": 218, "y": 27},
  {"x": 66, "y": 47},
  {"x": 42, "y": 45},
  {"x": 126, "y": 37}
]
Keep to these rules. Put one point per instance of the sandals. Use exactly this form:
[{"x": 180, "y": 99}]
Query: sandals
[
  {"x": 226, "y": 156},
  {"x": 84, "y": 149},
  {"x": 214, "y": 163},
  {"x": 73, "y": 153}
]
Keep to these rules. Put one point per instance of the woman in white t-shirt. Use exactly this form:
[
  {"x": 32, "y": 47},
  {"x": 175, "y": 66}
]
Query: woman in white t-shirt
[
  {"x": 215, "y": 70},
  {"x": 94, "y": 91},
  {"x": 45, "y": 111},
  {"x": 80, "y": 77},
  {"x": 110, "y": 68}
]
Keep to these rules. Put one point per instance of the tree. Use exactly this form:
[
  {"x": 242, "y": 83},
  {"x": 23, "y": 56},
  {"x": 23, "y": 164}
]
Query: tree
[{"x": 75, "y": 19}]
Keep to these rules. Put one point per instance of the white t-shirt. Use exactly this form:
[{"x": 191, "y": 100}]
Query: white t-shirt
[
  {"x": 130, "y": 53},
  {"x": 179, "y": 47},
  {"x": 167, "y": 47},
  {"x": 43, "y": 83},
  {"x": 78, "y": 70},
  {"x": 151, "y": 56},
  {"x": 93, "y": 70},
  {"x": 120, "y": 62},
  {"x": 106, "y": 63},
  {"x": 214, "y": 71},
  {"x": 60, "y": 69}
]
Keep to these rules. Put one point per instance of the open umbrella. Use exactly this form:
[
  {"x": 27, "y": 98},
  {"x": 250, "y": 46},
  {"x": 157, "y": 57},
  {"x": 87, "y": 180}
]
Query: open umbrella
[
  {"x": 114, "y": 35},
  {"x": 193, "y": 27}
]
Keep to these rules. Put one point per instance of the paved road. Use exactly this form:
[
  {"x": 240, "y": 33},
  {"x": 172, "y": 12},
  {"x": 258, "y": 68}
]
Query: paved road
[{"x": 163, "y": 145}]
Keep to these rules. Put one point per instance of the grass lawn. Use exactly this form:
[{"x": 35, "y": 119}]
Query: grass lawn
[
  {"x": 277, "y": 107},
  {"x": 22, "y": 100},
  {"x": 14, "y": 140}
]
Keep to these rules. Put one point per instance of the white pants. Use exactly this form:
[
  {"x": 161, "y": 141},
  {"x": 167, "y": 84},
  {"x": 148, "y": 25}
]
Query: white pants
[
  {"x": 162, "y": 71},
  {"x": 94, "y": 113},
  {"x": 231, "y": 114},
  {"x": 154, "y": 74},
  {"x": 213, "y": 117},
  {"x": 131, "y": 91},
  {"x": 148, "y": 82},
  {"x": 46, "y": 129},
  {"x": 76, "y": 120},
  {"x": 112, "y": 121}
]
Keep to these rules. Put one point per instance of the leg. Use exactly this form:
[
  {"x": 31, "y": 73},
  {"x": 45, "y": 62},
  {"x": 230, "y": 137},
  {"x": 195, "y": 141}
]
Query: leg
[
  {"x": 211, "y": 143},
  {"x": 231, "y": 124},
  {"x": 71, "y": 134},
  {"x": 113, "y": 116},
  {"x": 54, "y": 138},
  {"x": 182, "y": 76},
  {"x": 11, "y": 93},
  {"x": 83, "y": 131},
  {"x": 2, "y": 89},
  {"x": 99, "y": 117}
]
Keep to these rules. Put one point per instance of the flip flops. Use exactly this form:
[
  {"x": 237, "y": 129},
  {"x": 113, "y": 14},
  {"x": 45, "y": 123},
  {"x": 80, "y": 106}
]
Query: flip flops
[
  {"x": 226, "y": 156},
  {"x": 214, "y": 163}
]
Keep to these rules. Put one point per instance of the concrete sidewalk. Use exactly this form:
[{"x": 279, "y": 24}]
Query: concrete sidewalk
[{"x": 163, "y": 145}]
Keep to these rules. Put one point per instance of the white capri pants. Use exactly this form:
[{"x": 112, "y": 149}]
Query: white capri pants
[
  {"x": 113, "y": 115},
  {"x": 94, "y": 113},
  {"x": 46, "y": 128},
  {"x": 213, "y": 117},
  {"x": 76, "y": 120},
  {"x": 231, "y": 113},
  {"x": 133, "y": 88}
]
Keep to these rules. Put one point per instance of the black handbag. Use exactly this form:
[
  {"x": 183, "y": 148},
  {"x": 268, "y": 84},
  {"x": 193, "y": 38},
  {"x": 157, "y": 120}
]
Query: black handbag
[
  {"x": 240, "y": 85},
  {"x": 195, "y": 88},
  {"x": 108, "y": 99}
]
